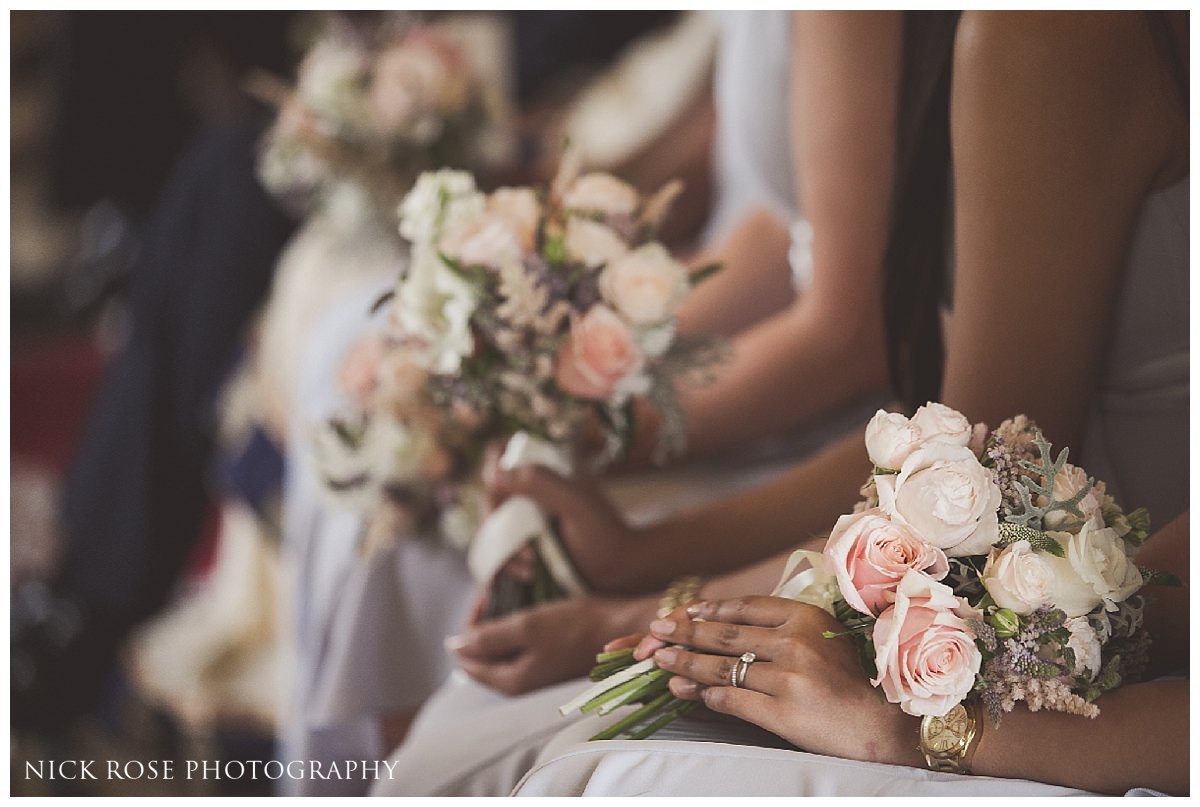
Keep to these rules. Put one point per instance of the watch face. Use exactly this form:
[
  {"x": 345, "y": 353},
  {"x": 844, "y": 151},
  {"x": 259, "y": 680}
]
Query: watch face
[{"x": 946, "y": 733}]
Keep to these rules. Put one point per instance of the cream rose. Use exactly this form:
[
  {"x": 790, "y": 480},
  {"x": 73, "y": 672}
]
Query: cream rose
[
  {"x": 1018, "y": 578},
  {"x": 1067, "y": 483},
  {"x": 944, "y": 494},
  {"x": 1098, "y": 556},
  {"x": 890, "y": 438},
  {"x": 925, "y": 652},
  {"x": 439, "y": 199},
  {"x": 592, "y": 243},
  {"x": 1085, "y": 645},
  {"x": 601, "y": 193},
  {"x": 600, "y": 358},
  {"x": 488, "y": 240},
  {"x": 520, "y": 208},
  {"x": 941, "y": 424},
  {"x": 870, "y": 554},
  {"x": 646, "y": 285}
]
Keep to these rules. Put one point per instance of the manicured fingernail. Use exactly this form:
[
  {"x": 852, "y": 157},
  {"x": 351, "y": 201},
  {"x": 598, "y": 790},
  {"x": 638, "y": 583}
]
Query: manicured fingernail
[
  {"x": 455, "y": 642},
  {"x": 684, "y": 686},
  {"x": 666, "y": 655},
  {"x": 662, "y": 626},
  {"x": 696, "y": 608}
]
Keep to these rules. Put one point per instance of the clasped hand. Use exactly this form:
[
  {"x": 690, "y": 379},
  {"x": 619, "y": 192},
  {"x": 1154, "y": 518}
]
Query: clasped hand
[{"x": 808, "y": 689}]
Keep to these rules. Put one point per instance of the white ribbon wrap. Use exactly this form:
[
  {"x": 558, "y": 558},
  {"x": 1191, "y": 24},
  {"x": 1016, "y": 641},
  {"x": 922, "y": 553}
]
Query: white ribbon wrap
[
  {"x": 814, "y": 585},
  {"x": 519, "y": 520}
]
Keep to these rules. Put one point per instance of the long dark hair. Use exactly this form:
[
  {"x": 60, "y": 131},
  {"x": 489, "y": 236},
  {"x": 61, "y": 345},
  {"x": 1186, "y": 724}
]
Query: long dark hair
[
  {"x": 915, "y": 261},
  {"x": 916, "y": 270}
]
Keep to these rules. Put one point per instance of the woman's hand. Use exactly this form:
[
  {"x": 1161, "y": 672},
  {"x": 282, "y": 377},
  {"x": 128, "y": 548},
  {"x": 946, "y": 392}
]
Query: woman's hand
[
  {"x": 803, "y": 687},
  {"x": 594, "y": 534},
  {"x": 545, "y": 644}
]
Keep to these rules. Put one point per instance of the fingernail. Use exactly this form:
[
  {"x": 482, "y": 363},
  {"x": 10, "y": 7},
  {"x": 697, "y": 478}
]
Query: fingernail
[
  {"x": 455, "y": 642},
  {"x": 662, "y": 626},
  {"x": 696, "y": 608},
  {"x": 666, "y": 655}
]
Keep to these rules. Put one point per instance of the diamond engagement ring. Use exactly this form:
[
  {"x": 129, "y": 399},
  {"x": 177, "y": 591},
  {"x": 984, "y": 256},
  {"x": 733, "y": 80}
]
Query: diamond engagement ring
[{"x": 737, "y": 676}]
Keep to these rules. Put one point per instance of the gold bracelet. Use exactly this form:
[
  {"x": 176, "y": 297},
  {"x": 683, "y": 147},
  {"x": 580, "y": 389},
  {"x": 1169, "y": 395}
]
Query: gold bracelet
[{"x": 679, "y": 593}]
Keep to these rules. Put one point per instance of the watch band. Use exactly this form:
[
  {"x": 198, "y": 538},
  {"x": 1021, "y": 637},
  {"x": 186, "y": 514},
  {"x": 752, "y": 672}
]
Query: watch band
[{"x": 949, "y": 742}]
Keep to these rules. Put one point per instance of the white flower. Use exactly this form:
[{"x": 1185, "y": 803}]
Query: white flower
[
  {"x": 432, "y": 313},
  {"x": 592, "y": 243},
  {"x": 439, "y": 201},
  {"x": 944, "y": 494},
  {"x": 1018, "y": 578},
  {"x": 813, "y": 585},
  {"x": 890, "y": 438},
  {"x": 601, "y": 193},
  {"x": 939, "y": 423},
  {"x": 646, "y": 285},
  {"x": 1085, "y": 644},
  {"x": 1098, "y": 556},
  {"x": 331, "y": 80}
]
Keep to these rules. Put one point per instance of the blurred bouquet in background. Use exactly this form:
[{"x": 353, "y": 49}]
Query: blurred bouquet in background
[
  {"x": 531, "y": 318},
  {"x": 377, "y": 105}
]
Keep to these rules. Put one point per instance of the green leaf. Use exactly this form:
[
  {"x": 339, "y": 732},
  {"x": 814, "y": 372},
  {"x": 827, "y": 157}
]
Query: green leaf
[
  {"x": 1012, "y": 533},
  {"x": 555, "y": 250},
  {"x": 704, "y": 273}
]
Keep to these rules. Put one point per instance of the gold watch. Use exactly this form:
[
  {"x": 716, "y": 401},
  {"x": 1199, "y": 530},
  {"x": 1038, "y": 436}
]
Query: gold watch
[{"x": 948, "y": 742}]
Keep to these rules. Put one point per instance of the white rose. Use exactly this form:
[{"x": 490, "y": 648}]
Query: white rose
[
  {"x": 432, "y": 313},
  {"x": 1019, "y": 579},
  {"x": 488, "y": 240},
  {"x": 520, "y": 207},
  {"x": 439, "y": 201},
  {"x": 330, "y": 78},
  {"x": 1098, "y": 556},
  {"x": 592, "y": 243},
  {"x": 646, "y": 285},
  {"x": 1073, "y": 595},
  {"x": 1085, "y": 644},
  {"x": 944, "y": 494},
  {"x": 601, "y": 193},
  {"x": 939, "y": 423},
  {"x": 1067, "y": 483},
  {"x": 891, "y": 437}
]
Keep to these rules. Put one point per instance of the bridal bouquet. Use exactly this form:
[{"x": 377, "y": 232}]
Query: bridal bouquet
[
  {"x": 543, "y": 314},
  {"x": 978, "y": 564},
  {"x": 376, "y": 106},
  {"x": 396, "y": 453}
]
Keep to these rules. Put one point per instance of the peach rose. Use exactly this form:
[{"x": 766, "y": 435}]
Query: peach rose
[
  {"x": 601, "y": 193},
  {"x": 925, "y": 652},
  {"x": 520, "y": 208},
  {"x": 870, "y": 554},
  {"x": 1067, "y": 483},
  {"x": 646, "y": 285},
  {"x": 600, "y": 357},
  {"x": 488, "y": 240},
  {"x": 592, "y": 243}
]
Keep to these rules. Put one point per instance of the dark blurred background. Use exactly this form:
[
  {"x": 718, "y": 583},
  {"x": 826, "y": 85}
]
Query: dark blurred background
[{"x": 116, "y": 120}]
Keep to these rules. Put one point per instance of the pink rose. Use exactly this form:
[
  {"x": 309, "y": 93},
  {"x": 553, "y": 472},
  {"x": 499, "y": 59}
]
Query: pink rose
[
  {"x": 645, "y": 285},
  {"x": 925, "y": 652},
  {"x": 601, "y": 193},
  {"x": 870, "y": 554},
  {"x": 599, "y": 357}
]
